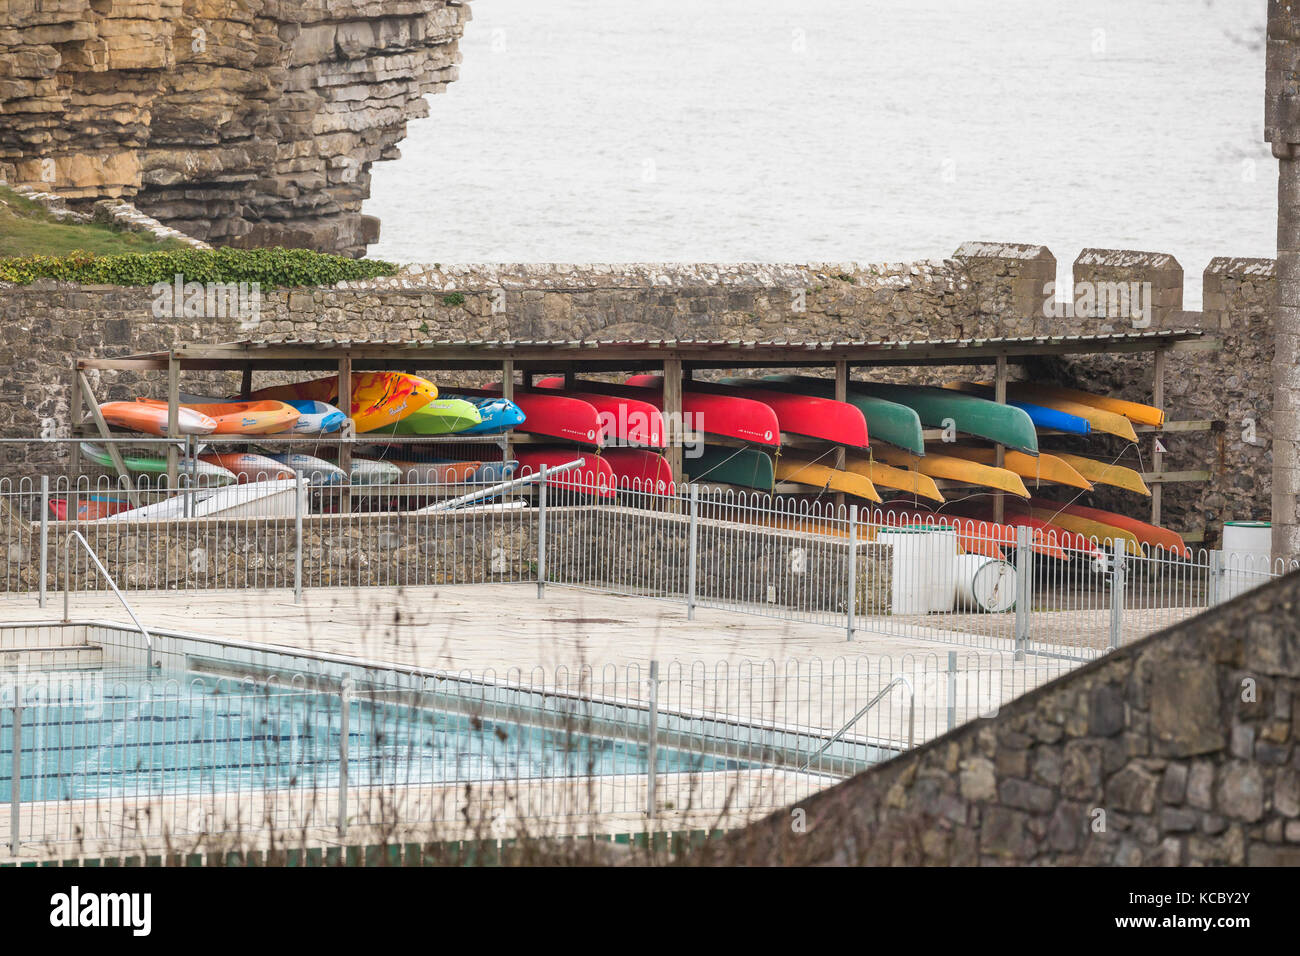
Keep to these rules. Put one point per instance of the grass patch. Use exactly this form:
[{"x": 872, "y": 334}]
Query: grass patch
[{"x": 28, "y": 229}]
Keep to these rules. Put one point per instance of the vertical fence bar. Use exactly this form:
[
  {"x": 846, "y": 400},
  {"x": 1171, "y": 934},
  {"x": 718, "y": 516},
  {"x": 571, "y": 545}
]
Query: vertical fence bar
[
  {"x": 541, "y": 534},
  {"x": 952, "y": 689},
  {"x": 851, "y": 598},
  {"x": 298, "y": 502},
  {"x": 1024, "y": 587},
  {"x": 652, "y": 741},
  {"x": 1117, "y": 575},
  {"x": 45, "y": 531},
  {"x": 15, "y": 786},
  {"x": 1214, "y": 585},
  {"x": 345, "y": 709},
  {"x": 694, "y": 551}
]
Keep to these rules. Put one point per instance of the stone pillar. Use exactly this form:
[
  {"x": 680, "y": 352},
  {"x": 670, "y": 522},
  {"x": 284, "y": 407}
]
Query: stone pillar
[
  {"x": 1012, "y": 281},
  {"x": 1122, "y": 290},
  {"x": 1282, "y": 129}
]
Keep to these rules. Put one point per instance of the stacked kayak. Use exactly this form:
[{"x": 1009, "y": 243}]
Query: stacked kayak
[
  {"x": 145, "y": 415},
  {"x": 263, "y": 417},
  {"x": 246, "y": 466},
  {"x": 317, "y": 471},
  {"x": 1100, "y": 524},
  {"x": 746, "y": 467},
  {"x": 887, "y": 421},
  {"x": 496, "y": 415},
  {"x": 552, "y": 416},
  {"x": 378, "y": 398},
  {"x": 816, "y": 475},
  {"x": 199, "y": 473},
  {"x": 442, "y": 416},
  {"x": 594, "y": 477},
  {"x": 971, "y": 414},
  {"x": 629, "y": 421}
]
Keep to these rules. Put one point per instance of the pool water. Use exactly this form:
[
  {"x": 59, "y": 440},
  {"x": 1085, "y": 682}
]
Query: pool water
[{"x": 192, "y": 733}]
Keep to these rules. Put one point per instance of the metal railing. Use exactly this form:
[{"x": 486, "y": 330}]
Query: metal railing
[
  {"x": 135, "y": 759},
  {"x": 108, "y": 579},
  {"x": 864, "y": 571}
]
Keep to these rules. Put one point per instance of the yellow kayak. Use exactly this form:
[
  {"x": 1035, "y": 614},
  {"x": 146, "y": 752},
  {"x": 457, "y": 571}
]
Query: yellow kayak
[
  {"x": 900, "y": 479},
  {"x": 1044, "y": 467},
  {"x": 1133, "y": 411},
  {"x": 1088, "y": 528},
  {"x": 805, "y": 472},
  {"x": 956, "y": 469},
  {"x": 1103, "y": 474}
]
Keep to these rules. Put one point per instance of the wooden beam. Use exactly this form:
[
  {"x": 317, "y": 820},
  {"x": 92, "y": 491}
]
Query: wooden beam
[
  {"x": 672, "y": 368},
  {"x": 1157, "y": 456},
  {"x": 349, "y": 431},
  {"x": 88, "y": 395},
  {"x": 75, "y": 421},
  {"x": 246, "y": 383},
  {"x": 173, "y": 420},
  {"x": 841, "y": 395},
  {"x": 1170, "y": 477},
  {"x": 1000, "y": 454},
  {"x": 508, "y": 393}
]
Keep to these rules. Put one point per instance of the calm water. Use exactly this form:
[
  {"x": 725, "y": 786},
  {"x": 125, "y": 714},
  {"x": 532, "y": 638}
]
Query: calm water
[{"x": 616, "y": 130}]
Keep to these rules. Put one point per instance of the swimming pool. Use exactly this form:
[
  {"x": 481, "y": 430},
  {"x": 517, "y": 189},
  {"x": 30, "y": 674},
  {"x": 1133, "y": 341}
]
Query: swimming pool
[{"x": 133, "y": 733}]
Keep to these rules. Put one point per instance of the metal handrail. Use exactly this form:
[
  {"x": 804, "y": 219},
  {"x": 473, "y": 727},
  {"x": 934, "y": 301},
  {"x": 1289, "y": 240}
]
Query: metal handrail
[
  {"x": 911, "y": 717},
  {"x": 528, "y": 479},
  {"x": 67, "y": 588}
]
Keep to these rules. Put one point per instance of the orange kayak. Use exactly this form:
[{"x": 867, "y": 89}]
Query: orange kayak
[
  {"x": 249, "y": 467},
  {"x": 1151, "y": 535},
  {"x": 378, "y": 398},
  {"x": 1040, "y": 467},
  {"x": 144, "y": 415},
  {"x": 241, "y": 418},
  {"x": 976, "y": 536}
]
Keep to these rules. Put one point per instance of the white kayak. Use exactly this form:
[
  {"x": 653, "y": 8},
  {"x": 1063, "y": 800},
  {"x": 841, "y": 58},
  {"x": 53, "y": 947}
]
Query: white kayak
[{"x": 317, "y": 471}]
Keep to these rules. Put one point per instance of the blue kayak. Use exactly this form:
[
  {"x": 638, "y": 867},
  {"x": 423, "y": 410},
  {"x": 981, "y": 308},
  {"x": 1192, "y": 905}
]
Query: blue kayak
[
  {"x": 498, "y": 415},
  {"x": 1050, "y": 418}
]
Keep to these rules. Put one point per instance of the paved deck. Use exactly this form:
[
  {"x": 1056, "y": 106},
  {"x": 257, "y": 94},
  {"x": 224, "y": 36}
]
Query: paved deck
[{"x": 482, "y": 626}]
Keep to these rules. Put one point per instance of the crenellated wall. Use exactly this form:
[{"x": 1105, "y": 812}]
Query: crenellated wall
[
  {"x": 985, "y": 289},
  {"x": 245, "y": 123}
]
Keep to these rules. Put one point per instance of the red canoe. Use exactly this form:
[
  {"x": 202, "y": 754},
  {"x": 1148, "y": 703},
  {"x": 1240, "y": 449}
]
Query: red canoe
[
  {"x": 1051, "y": 535},
  {"x": 639, "y": 470},
  {"x": 979, "y": 534},
  {"x": 628, "y": 420},
  {"x": 1149, "y": 534},
  {"x": 726, "y": 416},
  {"x": 88, "y": 509},
  {"x": 808, "y": 415},
  {"x": 594, "y": 477},
  {"x": 551, "y": 416}
]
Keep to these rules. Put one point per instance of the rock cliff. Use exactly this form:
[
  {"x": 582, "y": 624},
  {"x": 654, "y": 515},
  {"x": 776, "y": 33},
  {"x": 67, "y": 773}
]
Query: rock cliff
[{"x": 240, "y": 122}]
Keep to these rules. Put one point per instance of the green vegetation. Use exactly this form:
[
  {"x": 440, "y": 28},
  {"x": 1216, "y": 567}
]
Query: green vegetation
[
  {"x": 454, "y": 298},
  {"x": 33, "y": 245},
  {"x": 28, "y": 228}
]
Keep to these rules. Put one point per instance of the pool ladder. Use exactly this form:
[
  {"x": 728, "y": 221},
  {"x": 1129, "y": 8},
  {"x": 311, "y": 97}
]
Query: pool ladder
[
  {"x": 67, "y": 589},
  {"x": 884, "y": 691}
]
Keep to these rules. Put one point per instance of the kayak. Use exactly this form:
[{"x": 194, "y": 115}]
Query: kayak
[
  {"x": 1043, "y": 417},
  {"x": 552, "y": 416},
  {"x": 247, "y": 467},
  {"x": 201, "y": 473},
  {"x": 317, "y": 471},
  {"x": 956, "y": 469},
  {"x": 1099, "y": 420},
  {"x": 594, "y": 477},
  {"x": 434, "y": 472},
  {"x": 630, "y": 420},
  {"x": 973, "y": 537},
  {"x": 978, "y": 525},
  {"x": 378, "y": 398},
  {"x": 314, "y": 418},
  {"x": 1151, "y": 535},
  {"x": 1103, "y": 474},
  {"x": 900, "y": 479},
  {"x": 1040, "y": 467},
  {"x": 1133, "y": 411},
  {"x": 971, "y": 414},
  {"x": 143, "y": 415},
  {"x": 806, "y": 472},
  {"x": 821, "y": 418},
  {"x": 442, "y": 416},
  {"x": 90, "y": 508},
  {"x": 495, "y": 415},
  {"x": 1096, "y": 533},
  {"x": 886, "y": 421},
  {"x": 747, "y": 467},
  {"x": 262, "y": 417},
  {"x": 723, "y": 416},
  {"x": 637, "y": 469},
  {"x": 370, "y": 471}
]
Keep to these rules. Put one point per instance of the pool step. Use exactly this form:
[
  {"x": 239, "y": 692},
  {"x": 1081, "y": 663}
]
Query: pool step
[{"x": 53, "y": 658}]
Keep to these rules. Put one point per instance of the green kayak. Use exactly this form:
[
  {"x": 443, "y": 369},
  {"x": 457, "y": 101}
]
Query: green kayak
[
  {"x": 202, "y": 472},
  {"x": 732, "y": 466},
  {"x": 886, "y": 421},
  {"x": 443, "y": 416},
  {"x": 1004, "y": 424}
]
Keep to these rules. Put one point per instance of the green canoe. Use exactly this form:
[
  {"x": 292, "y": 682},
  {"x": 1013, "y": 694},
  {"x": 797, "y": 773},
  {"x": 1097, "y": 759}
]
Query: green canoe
[
  {"x": 886, "y": 421},
  {"x": 1004, "y": 424},
  {"x": 442, "y": 416},
  {"x": 732, "y": 466}
]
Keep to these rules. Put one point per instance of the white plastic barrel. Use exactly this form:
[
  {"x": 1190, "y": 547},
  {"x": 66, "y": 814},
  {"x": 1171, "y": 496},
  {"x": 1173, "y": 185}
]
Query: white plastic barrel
[
  {"x": 985, "y": 584},
  {"x": 1247, "y": 556},
  {"x": 923, "y": 568}
]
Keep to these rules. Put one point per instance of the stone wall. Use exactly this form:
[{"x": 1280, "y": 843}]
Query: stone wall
[
  {"x": 986, "y": 289},
  {"x": 252, "y": 123},
  {"x": 1178, "y": 750}
]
